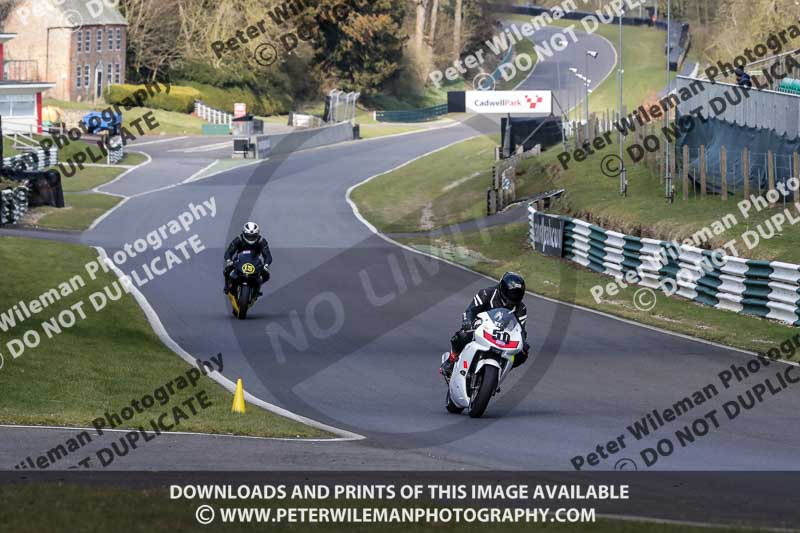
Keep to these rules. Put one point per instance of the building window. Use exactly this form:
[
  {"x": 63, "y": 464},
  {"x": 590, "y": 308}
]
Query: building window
[
  {"x": 110, "y": 77},
  {"x": 116, "y": 76},
  {"x": 110, "y": 39},
  {"x": 88, "y": 39},
  {"x": 18, "y": 105},
  {"x": 80, "y": 41},
  {"x": 119, "y": 38},
  {"x": 78, "y": 78},
  {"x": 86, "y": 76},
  {"x": 99, "y": 40}
]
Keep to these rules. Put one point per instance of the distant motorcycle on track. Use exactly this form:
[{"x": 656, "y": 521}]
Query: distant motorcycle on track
[
  {"x": 484, "y": 363},
  {"x": 244, "y": 282}
]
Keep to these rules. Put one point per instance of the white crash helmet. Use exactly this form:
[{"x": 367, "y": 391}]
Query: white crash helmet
[{"x": 251, "y": 233}]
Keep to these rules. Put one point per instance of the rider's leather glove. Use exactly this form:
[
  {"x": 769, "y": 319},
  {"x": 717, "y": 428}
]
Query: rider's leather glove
[{"x": 228, "y": 263}]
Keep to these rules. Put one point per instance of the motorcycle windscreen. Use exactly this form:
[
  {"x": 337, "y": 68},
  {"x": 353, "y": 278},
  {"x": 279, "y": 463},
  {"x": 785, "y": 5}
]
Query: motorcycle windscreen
[{"x": 503, "y": 318}]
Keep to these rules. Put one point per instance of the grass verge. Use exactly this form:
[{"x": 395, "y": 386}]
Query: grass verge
[
  {"x": 498, "y": 250},
  {"x": 101, "y": 363},
  {"x": 445, "y": 187},
  {"x": 80, "y": 211},
  {"x": 439, "y": 189},
  {"x": 90, "y": 177},
  {"x": 169, "y": 122}
]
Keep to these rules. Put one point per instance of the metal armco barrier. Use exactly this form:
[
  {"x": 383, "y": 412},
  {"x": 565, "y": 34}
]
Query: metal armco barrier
[
  {"x": 13, "y": 204},
  {"x": 767, "y": 289},
  {"x": 263, "y": 146},
  {"x": 412, "y": 115}
]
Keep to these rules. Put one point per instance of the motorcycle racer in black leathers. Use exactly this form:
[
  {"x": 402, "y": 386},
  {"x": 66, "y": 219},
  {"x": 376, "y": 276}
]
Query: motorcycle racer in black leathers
[
  {"x": 249, "y": 239},
  {"x": 508, "y": 293}
]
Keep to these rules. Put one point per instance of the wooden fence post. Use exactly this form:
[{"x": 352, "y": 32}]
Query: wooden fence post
[
  {"x": 746, "y": 171},
  {"x": 796, "y": 165},
  {"x": 673, "y": 159},
  {"x": 723, "y": 169},
  {"x": 770, "y": 175},
  {"x": 685, "y": 171},
  {"x": 702, "y": 171}
]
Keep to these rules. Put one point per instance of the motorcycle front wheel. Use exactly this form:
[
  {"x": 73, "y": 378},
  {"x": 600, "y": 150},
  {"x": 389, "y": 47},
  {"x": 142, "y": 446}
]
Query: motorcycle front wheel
[
  {"x": 451, "y": 407},
  {"x": 483, "y": 391},
  {"x": 245, "y": 294}
]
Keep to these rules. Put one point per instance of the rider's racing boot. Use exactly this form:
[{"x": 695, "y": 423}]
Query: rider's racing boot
[{"x": 449, "y": 362}]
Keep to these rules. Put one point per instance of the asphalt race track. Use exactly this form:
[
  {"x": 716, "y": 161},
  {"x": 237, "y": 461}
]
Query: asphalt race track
[{"x": 352, "y": 327}]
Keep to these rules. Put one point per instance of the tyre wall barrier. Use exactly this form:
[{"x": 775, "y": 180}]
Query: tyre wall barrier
[
  {"x": 13, "y": 204},
  {"x": 116, "y": 150},
  {"x": 767, "y": 289},
  {"x": 35, "y": 159}
]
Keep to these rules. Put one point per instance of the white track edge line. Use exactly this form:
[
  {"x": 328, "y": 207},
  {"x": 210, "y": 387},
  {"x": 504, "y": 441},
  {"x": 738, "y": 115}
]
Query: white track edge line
[
  {"x": 160, "y": 141},
  {"x": 230, "y": 386},
  {"x": 189, "y": 433}
]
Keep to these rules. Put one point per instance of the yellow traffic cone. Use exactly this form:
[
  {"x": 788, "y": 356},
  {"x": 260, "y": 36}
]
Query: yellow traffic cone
[{"x": 238, "y": 398}]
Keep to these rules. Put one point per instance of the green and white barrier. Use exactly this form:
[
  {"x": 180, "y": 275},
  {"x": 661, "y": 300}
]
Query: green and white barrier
[
  {"x": 768, "y": 289},
  {"x": 13, "y": 204}
]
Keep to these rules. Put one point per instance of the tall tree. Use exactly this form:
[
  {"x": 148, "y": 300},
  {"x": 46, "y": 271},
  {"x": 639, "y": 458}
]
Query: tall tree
[
  {"x": 361, "y": 51},
  {"x": 457, "y": 29},
  {"x": 419, "y": 34},
  {"x": 434, "y": 17}
]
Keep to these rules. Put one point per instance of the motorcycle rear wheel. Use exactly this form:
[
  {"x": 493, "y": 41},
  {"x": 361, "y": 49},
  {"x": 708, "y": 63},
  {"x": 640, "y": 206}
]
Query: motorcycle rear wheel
[{"x": 480, "y": 399}]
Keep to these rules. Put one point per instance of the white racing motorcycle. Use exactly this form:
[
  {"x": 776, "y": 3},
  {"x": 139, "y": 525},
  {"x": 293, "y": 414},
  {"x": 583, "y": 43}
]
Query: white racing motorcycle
[{"x": 484, "y": 363}]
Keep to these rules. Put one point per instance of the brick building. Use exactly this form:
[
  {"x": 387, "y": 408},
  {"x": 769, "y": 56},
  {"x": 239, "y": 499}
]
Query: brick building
[{"x": 80, "y": 44}]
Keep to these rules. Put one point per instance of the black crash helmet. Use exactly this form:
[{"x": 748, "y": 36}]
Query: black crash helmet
[{"x": 512, "y": 288}]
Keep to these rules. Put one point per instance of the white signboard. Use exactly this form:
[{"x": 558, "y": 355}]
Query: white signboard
[{"x": 518, "y": 102}]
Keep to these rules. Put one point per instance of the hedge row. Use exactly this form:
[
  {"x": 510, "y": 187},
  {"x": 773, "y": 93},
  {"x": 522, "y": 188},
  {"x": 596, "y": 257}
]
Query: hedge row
[
  {"x": 180, "y": 99},
  {"x": 224, "y": 98}
]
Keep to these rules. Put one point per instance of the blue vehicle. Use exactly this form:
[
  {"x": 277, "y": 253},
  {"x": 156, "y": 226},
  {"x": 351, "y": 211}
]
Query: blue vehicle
[{"x": 97, "y": 122}]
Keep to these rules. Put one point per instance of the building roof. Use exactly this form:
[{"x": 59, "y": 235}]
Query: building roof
[
  {"x": 77, "y": 13},
  {"x": 24, "y": 86}
]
